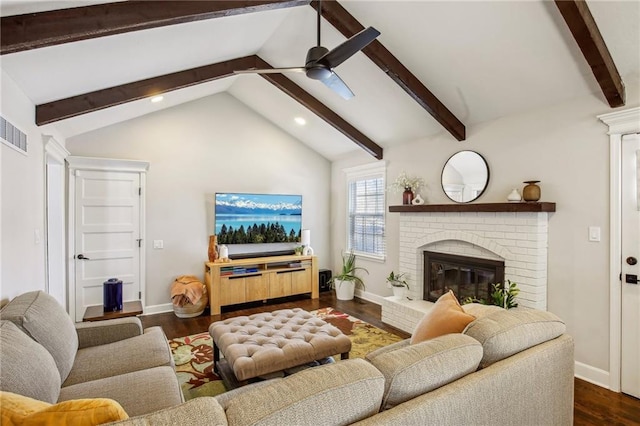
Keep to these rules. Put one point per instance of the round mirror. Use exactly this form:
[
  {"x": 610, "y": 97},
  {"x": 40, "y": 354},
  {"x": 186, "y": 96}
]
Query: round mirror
[{"x": 465, "y": 176}]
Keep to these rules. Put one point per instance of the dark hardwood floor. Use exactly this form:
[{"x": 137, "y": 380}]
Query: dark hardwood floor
[{"x": 593, "y": 405}]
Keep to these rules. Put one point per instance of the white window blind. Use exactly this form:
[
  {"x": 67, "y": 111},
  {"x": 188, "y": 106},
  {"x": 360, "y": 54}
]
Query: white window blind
[{"x": 366, "y": 202}]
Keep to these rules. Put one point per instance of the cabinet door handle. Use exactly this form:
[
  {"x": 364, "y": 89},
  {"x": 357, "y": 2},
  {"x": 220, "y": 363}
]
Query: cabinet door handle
[
  {"x": 237, "y": 277},
  {"x": 290, "y": 271}
]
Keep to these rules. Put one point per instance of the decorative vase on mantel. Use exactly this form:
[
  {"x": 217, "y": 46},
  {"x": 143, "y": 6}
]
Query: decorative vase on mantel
[
  {"x": 531, "y": 191},
  {"x": 213, "y": 248},
  {"x": 407, "y": 196},
  {"x": 514, "y": 196}
]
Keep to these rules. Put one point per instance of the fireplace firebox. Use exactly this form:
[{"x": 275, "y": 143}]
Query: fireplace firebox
[{"x": 466, "y": 276}]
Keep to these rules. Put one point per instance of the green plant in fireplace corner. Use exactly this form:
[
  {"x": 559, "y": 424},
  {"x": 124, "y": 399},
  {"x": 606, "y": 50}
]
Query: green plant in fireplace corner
[{"x": 503, "y": 295}]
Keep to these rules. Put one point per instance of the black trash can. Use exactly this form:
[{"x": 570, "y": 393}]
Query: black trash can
[{"x": 112, "y": 292}]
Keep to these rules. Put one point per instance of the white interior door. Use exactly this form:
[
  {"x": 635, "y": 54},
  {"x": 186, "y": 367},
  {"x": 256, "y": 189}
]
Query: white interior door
[
  {"x": 107, "y": 235},
  {"x": 630, "y": 309}
]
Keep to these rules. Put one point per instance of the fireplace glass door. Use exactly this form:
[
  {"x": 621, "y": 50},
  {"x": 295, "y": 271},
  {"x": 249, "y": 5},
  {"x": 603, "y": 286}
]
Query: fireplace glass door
[{"x": 466, "y": 276}]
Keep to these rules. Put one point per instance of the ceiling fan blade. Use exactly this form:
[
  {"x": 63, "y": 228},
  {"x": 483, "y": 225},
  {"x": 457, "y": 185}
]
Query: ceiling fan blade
[
  {"x": 353, "y": 45},
  {"x": 336, "y": 84},
  {"x": 271, "y": 70}
]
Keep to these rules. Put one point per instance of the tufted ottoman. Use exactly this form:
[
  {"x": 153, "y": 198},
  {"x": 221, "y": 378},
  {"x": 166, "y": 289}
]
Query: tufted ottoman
[{"x": 265, "y": 343}]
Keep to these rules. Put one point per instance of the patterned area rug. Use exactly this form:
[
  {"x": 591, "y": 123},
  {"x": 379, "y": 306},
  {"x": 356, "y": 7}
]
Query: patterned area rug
[{"x": 194, "y": 354}]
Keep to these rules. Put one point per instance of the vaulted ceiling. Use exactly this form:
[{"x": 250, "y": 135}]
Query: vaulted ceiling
[{"x": 436, "y": 67}]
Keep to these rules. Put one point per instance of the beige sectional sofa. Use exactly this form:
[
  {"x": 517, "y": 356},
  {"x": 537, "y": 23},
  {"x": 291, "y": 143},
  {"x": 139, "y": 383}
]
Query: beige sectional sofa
[
  {"x": 507, "y": 368},
  {"x": 45, "y": 356}
]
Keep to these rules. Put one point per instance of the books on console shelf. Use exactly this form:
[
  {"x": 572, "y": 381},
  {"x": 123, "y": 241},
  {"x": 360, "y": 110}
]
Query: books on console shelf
[{"x": 235, "y": 270}]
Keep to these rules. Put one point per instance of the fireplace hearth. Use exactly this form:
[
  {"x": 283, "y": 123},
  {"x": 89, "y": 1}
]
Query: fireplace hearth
[{"x": 466, "y": 276}]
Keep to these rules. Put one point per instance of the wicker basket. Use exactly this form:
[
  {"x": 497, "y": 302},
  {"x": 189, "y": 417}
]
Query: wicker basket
[{"x": 189, "y": 310}]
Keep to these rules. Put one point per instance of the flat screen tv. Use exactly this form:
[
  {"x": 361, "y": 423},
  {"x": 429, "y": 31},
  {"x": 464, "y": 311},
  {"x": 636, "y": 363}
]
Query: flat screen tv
[{"x": 258, "y": 224}]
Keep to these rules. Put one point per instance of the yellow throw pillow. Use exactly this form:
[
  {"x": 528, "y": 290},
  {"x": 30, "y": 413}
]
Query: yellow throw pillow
[
  {"x": 445, "y": 317},
  {"x": 17, "y": 410}
]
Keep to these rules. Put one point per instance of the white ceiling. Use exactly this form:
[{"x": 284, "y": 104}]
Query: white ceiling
[{"x": 482, "y": 59}]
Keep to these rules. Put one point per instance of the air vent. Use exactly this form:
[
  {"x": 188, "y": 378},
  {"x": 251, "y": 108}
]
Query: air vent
[{"x": 12, "y": 137}]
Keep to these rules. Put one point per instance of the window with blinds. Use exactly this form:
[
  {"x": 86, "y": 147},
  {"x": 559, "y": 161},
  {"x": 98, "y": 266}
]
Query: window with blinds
[{"x": 365, "y": 220}]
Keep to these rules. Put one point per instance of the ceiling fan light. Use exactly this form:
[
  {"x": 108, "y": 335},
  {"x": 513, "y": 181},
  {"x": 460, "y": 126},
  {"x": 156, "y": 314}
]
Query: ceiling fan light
[{"x": 318, "y": 72}]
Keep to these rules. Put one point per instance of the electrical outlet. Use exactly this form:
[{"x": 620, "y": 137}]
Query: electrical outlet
[{"x": 158, "y": 244}]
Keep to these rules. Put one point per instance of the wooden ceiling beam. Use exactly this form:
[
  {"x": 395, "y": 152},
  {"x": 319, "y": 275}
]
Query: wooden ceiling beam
[
  {"x": 348, "y": 25},
  {"x": 585, "y": 31},
  {"x": 321, "y": 110},
  {"x": 35, "y": 30},
  {"x": 100, "y": 99}
]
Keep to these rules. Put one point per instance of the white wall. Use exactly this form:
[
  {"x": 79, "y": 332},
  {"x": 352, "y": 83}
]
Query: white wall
[
  {"x": 21, "y": 199},
  {"x": 215, "y": 144},
  {"x": 565, "y": 147}
]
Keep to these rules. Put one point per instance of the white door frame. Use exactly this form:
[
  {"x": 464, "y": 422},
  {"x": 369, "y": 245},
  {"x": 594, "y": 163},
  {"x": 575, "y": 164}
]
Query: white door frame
[
  {"x": 103, "y": 164},
  {"x": 55, "y": 247},
  {"x": 620, "y": 123}
]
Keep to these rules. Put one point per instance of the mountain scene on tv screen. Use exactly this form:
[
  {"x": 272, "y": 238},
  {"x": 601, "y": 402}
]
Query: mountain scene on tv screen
[{"x": 258, "y": 218}]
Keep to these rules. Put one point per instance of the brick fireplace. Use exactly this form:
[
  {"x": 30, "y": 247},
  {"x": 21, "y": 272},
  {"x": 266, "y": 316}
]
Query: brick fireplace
[{"x": 514, "y": 234}]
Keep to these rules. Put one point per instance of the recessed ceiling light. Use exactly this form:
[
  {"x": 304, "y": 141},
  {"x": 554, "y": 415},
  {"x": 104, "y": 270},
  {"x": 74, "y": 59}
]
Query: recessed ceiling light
[
  {"x": 157, "y": 98},
  {"x": 301, "y": 121}
]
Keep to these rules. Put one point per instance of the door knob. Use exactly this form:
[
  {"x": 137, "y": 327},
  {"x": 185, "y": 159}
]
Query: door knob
[
  {"x": 81, "y": 257},
  {"x": 631, "y": 260}
]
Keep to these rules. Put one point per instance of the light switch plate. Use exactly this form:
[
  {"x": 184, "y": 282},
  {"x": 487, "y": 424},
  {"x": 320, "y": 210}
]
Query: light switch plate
[
  {"x": 594, "y": 233},
  {"x": 158, "y": 244}
]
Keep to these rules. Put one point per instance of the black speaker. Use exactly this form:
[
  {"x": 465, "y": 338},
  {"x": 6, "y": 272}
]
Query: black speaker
[{"x": 324, "y": 275}]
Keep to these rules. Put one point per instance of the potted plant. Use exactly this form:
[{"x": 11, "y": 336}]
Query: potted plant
[
  {"x": 407, "y": 185},
  {"x": 503, "y": 295},
  {"x": 346, "y": 281},
  {"x": 398, "y": 284}
]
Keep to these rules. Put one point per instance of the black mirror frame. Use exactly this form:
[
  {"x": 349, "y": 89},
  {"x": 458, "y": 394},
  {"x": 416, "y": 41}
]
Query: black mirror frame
[{"x": 485, "y": 185}]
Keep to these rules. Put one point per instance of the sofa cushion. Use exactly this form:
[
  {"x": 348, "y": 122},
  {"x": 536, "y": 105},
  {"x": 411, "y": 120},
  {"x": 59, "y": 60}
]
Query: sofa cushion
[
  {"x": 204, "y": 410},
  {"x": 507, "y": 332},
  {"x": 19, "y": 409},
  {"x": 41, "y": 317},
  {"x": 339, "y": 393},
  {"x": 96, "y": 333},
  {"x": 148, "y": 350},
  {"x": 413, "y": 370},
  {"x": 139, "y": 392},
  {"x": 478, "y": 310},
  {"x": 445, "y": 316},
  {"x": 26, "y": 368}
]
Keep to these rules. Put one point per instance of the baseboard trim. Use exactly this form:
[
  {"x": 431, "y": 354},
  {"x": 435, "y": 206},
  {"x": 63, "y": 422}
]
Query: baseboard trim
[
  {"x": 369, "y": 297},
  {"x": 158, "y": 309},
  {"x": 592, "y": 375}
]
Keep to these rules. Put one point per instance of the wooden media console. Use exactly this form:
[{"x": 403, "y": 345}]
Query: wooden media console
[{"x": 260, "y": 278}]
